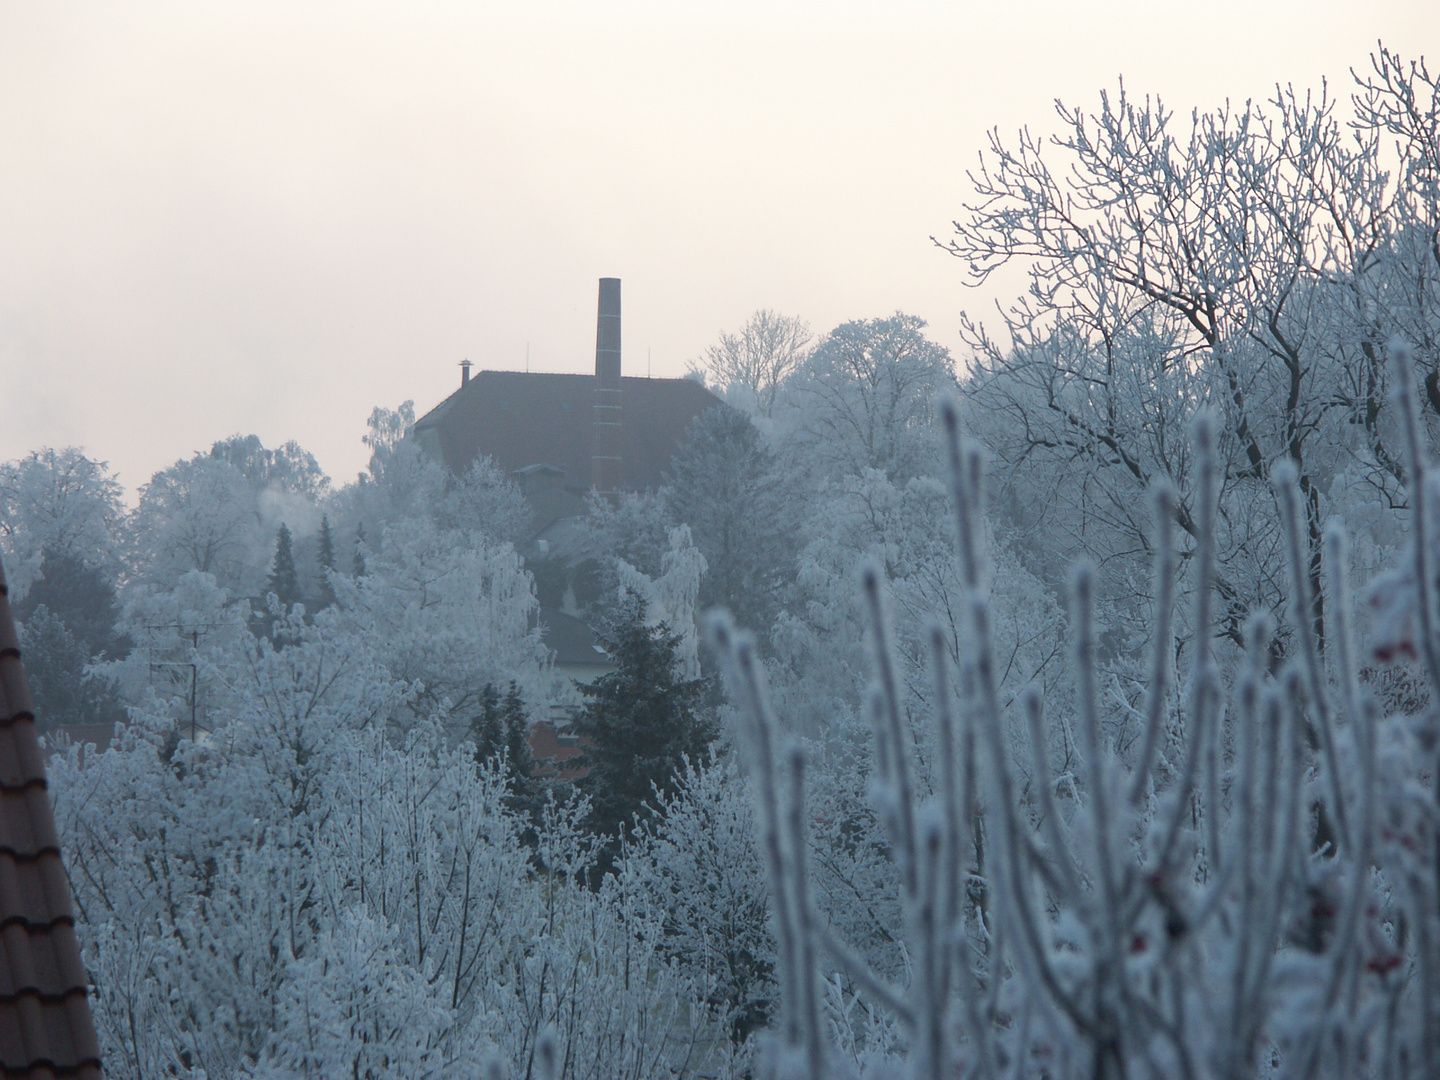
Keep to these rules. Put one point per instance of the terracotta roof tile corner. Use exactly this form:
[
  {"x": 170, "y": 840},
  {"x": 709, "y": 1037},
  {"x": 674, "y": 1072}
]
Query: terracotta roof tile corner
[{"x": 46, "y": 1029}]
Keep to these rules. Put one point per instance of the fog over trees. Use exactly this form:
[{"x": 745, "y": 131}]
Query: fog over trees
[{"x": 1060, "y": 706}]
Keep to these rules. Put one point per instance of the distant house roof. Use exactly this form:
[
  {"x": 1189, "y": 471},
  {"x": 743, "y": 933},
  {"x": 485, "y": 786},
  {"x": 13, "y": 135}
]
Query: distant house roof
[
  {"x": 571, "y": 640},
  {"x": 523, "y": 419},
  {"x": 45, "y": 1025}
]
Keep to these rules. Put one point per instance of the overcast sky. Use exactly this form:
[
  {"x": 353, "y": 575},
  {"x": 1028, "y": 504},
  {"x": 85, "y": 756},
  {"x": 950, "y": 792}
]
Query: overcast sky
[{"x": 270, "y": 218}]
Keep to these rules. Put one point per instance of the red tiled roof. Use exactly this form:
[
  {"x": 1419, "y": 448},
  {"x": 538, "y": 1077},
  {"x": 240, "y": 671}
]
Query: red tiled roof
[
  {"x": 523, "y": 418},
  {"x": 554, "y": 760},
  {"x": 45, "y": 1025}
]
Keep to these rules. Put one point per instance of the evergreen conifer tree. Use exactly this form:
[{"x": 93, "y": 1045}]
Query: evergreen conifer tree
[
  {"x": 69, "y": 618},
  {"x": 62, "y": 690},
  {"x": 284, "y": 581},
  {"x": 503, "y": 726},
  {"x": 487, "y": 728},
  {"x": 357, "y": 564},
  {"x": 517, "y": 736},
  {"x": 327, "y": 562},
  {"x": 82, "y": 597},
  {"x": 641, "y": 721}
]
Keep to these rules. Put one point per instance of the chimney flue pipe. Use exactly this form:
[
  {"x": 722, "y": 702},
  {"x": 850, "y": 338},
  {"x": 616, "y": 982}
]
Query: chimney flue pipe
[{"x": 605, "y": 472}]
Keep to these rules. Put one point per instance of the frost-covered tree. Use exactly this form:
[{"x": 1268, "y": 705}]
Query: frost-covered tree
[
  {"x": 1252, "y": 261},
  {"x": 405, "y": 483},
  {"x": 751, "y": 364},
  {"x": 219, "y": 512},
  {"x": 727, "y": 485},
  {"x": 483, "y": 500},
  {"x": 59, "y": 501},
  {"x": 1162, "y": 914},
  {"x": 402, "y": 482},
  {"x": 818, "y": 675},
  {"x": 173, "y": 630},
  {"x": 699, "y": 862},
  {"x": 633, "y": 530},
  {"x": 670, "y": 597},
  {"x": 288, "y": 468},
  {"x": 865, "y": 398},
  {"x": 450, "y": 612},
  {"x": 199, "y": 515},
  {"x": 306, "y": 892}
]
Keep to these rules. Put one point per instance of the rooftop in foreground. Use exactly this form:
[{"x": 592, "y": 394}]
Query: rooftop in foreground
[{"x": 46, "y": 1029}]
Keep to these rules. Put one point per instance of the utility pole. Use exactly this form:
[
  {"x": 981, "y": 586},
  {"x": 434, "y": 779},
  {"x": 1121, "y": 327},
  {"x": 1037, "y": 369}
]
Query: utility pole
[
  {"x": 194, "y": 677},
  {"x": 192, "y": 631}
]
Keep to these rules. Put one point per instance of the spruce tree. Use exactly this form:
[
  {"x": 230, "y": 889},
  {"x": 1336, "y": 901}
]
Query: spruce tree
[
  {"x": 83, "y": 597},
  {"x": 61, "y": 689},
  {"x": 503, "y": 727},
  {"x": 357, "y": 563},
  {"x": 327, "y": 562},
  {"x": 68, "y": 621},
  {"x": 639, "y": 721},
  {"x": 487, "y": 728},
  {"x": 516, "y": 721},
  {"x": 284, "y": 581}
]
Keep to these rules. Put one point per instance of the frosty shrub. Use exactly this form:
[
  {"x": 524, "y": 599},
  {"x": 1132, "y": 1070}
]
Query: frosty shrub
[
  {"x": 696, "y": 860},
  {"x": 1251, "y": 891},
  {"x": 314, "y": 889}
]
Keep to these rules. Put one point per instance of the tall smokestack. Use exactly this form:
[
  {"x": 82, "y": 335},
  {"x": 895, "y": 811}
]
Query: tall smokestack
[{"x": 605, "y": 444}]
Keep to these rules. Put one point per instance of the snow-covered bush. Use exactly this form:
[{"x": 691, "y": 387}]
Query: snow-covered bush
[
  {"x": 1251, "y": 893},
  {"x": 697, "y": 862},
  {"x": 312, "y": 889},
  {"x": 450, "y": 612}
]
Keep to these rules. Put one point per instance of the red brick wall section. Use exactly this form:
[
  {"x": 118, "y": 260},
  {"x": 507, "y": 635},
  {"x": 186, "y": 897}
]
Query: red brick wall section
[{"x": 45, "y": 1025}]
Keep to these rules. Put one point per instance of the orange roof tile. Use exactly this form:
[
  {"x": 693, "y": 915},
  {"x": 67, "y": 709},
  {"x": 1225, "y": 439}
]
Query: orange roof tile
[{"x": 45, "y": 1025}]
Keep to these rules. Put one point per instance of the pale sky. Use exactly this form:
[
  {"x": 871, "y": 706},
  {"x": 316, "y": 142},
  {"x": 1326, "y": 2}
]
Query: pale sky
[{"x": 272, "y": 217}]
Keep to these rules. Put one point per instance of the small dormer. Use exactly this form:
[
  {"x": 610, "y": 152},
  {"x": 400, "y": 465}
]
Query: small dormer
[{"x": 539, "y": 477}]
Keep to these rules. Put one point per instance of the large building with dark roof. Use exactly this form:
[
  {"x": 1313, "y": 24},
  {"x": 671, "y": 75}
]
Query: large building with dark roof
[{"x": 560, "y": 436}]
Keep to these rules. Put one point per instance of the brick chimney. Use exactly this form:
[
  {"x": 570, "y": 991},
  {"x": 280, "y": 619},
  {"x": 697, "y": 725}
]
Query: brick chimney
[{"x": 605, "y": 473}]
